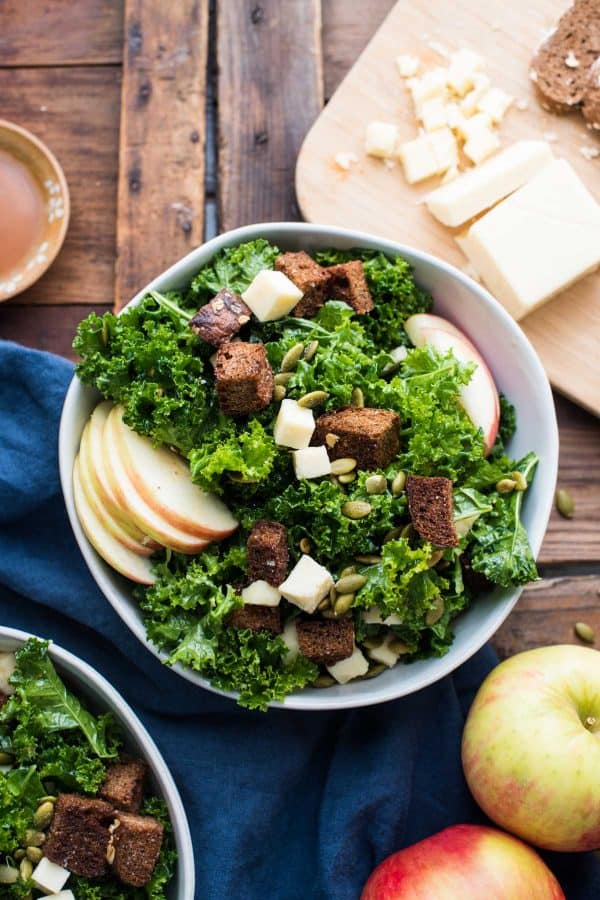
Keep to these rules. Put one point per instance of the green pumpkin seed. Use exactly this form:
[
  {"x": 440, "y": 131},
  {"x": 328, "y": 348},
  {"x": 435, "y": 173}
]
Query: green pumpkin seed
[
  {"x": 348, "y": 478},
  {"x": 19, "y": 854},
  {"x": 585, "y": 632},
  {"x": 356, "y": 509},
  {"x": 398, "y": 646},
  {"x": 343, "y": 466},
  {"x": 506, "y": 485},
  {"x": 305, "y": 545},
  {"x": 436, "y": 612},
  {"x": 376, "y": 484},
  {"x": 291, "y": 358},
  {"x": 434, "y": 558},
  {"x": 350, "y": 584},
  {"x": 8, "y": 875},
  {"x": 25, "y": 869},
  {"x": 343, "y": 603},
  {"x": 368, "y": 559},
  {"x": 392, "y": 535},
  {"x": 408, "y": 531},
  {"x": 519, "y": 480},
  {"x": 324, "y": 681},
  {"x": 373, "y": 672},
  {"x": 283, "y": 377},
  {"x": 279, "y": 393},
  {"x": 565, "y": 503},
  {"x": 34, "y": 854},
  {"x": 329, "y": 614},
  {"x": 6, "y": 759},
  {"x": 398, "y": 484},
  {"x": 34, "y": 838},
  {"x": 349, "y": 570},
  {"x": 331, "y": 439},
  {"x": 310, "y": 350},
  {"x": 358, "y": 398},
  {"x": 324, "y": 604},
  {"x": 43, "y": 814},
  {"x": 313, "y": 399}
]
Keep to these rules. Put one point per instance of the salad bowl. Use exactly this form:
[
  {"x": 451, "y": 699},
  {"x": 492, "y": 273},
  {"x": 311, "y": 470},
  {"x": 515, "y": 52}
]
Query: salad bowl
[
  {"x": 517, "y": 372},
  {"x": 101, "y": 697}
]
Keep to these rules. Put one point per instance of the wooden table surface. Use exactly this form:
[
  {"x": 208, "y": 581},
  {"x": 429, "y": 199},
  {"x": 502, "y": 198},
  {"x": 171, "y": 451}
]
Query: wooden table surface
[{"x": 177, "y": 120}]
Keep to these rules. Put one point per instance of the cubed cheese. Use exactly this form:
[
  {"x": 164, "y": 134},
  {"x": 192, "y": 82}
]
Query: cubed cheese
[
  {"x": 7, "y": 667},
  {"x": 381, "y": 139},
  {"x": 430, "y": 154},
  {"x": 473, "y": 126},
  {"x": 432, "y": 84},
  {"x": 49, "y": 877},
  {"x": 383, "y": 653},
  {"x": 454, "y": 116},
  {"x": 481, "y": 144},
  {"x": 445, "y": 148},
  {"x": 290, "y": 639},
  {"x": 481, "y": 84},
  {"x": 538, "y": 241},
  {"x": 372, "y": 616},
  {"x": 294, "y": 425},
  {"x": 462, "y": 70},
  {"x": 494, "y": 104},
  {"x": 261, "y": 593},
  {"x": 352, "y": 667},
  {"x": 271, "y": 295},
  {"x": 311, "y": 462},
  {"x": 450, "y": 175},
  {"x": 408, "y": 66},
  {"x": 399, "y": 354},
  {"x": 478, "y": 189},
  {"x": 433, "y": 114},
  {"x": 307, "y": 584},
  {"x": 64, "y": 895}
]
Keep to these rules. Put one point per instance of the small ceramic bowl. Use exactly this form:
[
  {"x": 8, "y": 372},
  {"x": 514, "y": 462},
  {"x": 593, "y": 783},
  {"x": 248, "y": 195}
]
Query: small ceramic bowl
[
  {"x": 101, "y": 697},
  {"x": 46, "y": 171}
]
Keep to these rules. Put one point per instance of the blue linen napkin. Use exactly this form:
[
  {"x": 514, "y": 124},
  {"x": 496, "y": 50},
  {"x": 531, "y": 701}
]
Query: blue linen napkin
[{"x": 284, "y": 805}]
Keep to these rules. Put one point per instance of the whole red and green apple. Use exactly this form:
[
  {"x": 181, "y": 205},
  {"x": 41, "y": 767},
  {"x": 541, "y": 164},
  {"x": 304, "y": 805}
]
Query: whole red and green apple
[
  {"x": 464, "y": 861},
  {"x": 531, "y": 747}
]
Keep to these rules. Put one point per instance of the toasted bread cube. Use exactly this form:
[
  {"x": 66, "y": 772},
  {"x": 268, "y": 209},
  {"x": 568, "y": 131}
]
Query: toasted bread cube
[
  {"x": 268, "y": 556},
  {"x": 244, "y": 378},
  {"x": 219, "y": 320},
  {"x": 380, "y": 140},
  {"x": 326, "y": 641},
  {"x": 309, "y": 277},
  {"x": 370, "y": 436},
  {"x": 271, "y": 295},
  {"x": 431, "y": 507},
  {"x": 137, "y": 841},
  {"x": 124, "y": 784},
  {"x": 79, "y": 835},
  {"x": 256, "y": 618}
]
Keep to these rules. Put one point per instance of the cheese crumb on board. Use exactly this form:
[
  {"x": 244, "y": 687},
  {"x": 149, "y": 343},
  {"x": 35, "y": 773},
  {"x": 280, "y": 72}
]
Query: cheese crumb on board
[
  {"x": 381, "y": 139},
  {"x": 345, "y": 160},
  {"x": 307, "y": 584},
  {"x": 522, "y": 104},
  {"x": 408, "y": 66},
  {"x": 589, "y": 152}
]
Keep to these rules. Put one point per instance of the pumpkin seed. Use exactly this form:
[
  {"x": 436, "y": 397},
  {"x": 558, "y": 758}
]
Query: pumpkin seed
[
  {"x": 376, "y": 484},
  {"x": 343, "y": 466},
  {"x": 331, "y": 439},
  {"x": 506, "y": 485},
  {"x": 519, "y": 480},
  {"x": 8, "y": 875},
  {"x": 291, "y": 358},
  {"x": 324, "y": 681},
  {"x": 324, "y": 604},
  {"x": 408, "y": 531},
  {"x": 279, "y": 393},
  {"x": 343, "y": 603},
  {"x": 332, "y": 594},
  {"x": 310, "y": 350},
  {"x": 434, "y": 558},
  {"x": 283, "y": 377},
  {"x": 25, "y": 869},
  {"x": 348, "y": 478},
  {"x": 585, "y": 632},
  {"x": 19, "y": 854},
  {"x": 368, "y": 559},
  {"x": 565, "y": 503},
  {"x": 392, "y": 535},
  {"x": 313, "y": 399},
  {"x": 358, "y": 398},
  {"x": 350, "y": 583},
  {"x": 436, "y": 612},
  {"x": 373, "y": 672},
  {"x": 43, "y": 814},
  {"x": 371, "y": 643},
  {"x": 349, "y": 570},
  {"x": 356, "y": 509},
  {"x": 34, "y": 838},
  {"x": 6, "y": 759},
  {"x": 305, "y": 545},
  {"x": 51, "y": 797},
  {"x": 34, "y": 854},
  {"x": 329, "y": 614},
  {"x": 398, "y": 646},
  {"x": 398, "y": 483}
]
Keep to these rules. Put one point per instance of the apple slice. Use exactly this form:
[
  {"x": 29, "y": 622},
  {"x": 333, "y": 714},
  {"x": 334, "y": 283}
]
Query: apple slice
[
  {"x": 162, "y": 478},
  {"x": 95, "y": 501},
  {"x": 479, "y": 397},
  {"x": 146, "y": 518},
  {"x": 131, "y": 565}
]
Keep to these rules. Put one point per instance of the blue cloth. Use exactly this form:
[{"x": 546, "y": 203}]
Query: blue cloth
[{"x": 284, "y": 805}]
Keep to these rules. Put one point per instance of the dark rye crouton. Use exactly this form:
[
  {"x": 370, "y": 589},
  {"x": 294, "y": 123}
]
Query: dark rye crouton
[
  {"x": 136, "y": 843},
  {"x": 218, "y": 321},
  {"x": 79, "y": 835},
  {"x": 348, "y": 283},
  {"x": 256, "y": 618},
  {"x": 309, "y": 277},
  {"x": 124, "y": 784},
  {"x": 268, "y": 555},
  {"x": 326, "y": 641},
  {"x": 431, "y": 507},
  {"x": 244, "y": 378},
  {"x": 370, "y": 436}
]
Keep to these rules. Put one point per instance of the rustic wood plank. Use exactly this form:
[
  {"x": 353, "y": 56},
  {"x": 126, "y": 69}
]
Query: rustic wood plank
[
  {"x": 48, "y": 328},
  {"x": 161, "y": 153},
  {"x": 346, "y": 33},
  {"x": 60, "y": 32},
  {"x": 270, "y": 91},
  {"x": 547, "y": 612},
  {"x": 75, "y": 110}
]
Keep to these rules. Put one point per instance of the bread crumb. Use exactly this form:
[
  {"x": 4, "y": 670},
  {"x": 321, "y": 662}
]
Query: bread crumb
[
  {"x": 571, "y": 60},
  {"x": 589, "y": 152},
  {"x": 345, "y": 160},
  {"x": 550, "y": 136},
  {"x": 522, "y": 104}
]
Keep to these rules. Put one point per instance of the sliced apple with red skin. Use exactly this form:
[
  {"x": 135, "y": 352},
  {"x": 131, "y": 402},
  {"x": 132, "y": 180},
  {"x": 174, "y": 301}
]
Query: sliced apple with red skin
[
  {"x": 130, "y": 501},
  {"x": 131, "y": 565},
  {"x": 479, "y": 397},
  {"x": 162, "y": 478}
]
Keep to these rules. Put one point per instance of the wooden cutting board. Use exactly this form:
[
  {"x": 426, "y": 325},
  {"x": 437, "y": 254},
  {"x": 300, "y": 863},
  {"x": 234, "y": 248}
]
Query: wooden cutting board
[{"x": 375, "y": 198}]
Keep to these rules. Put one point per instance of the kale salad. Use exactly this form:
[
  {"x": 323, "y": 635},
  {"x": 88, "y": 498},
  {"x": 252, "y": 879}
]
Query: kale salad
[
  {"x": 370, "y": 506},
  {"x": 67, "y": 791}
]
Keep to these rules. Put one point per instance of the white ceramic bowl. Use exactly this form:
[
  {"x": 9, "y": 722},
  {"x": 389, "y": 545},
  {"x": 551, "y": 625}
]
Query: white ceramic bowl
[
  {"x": 517, "y": 371},
  {"x": 101, "y": 697}
]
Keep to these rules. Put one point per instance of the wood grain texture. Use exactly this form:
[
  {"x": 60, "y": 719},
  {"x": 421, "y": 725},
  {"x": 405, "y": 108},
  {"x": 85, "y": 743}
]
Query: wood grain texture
[
  {"x": 161, "y": 154},
  {"x": 547, "y": 612},
  {"x": 48, "y": 328},
  {"x": 270, "y": 91},
  {"x": 75, "y": 111},
  {"x": 374, "y": 198},
  {"x": 60, "y": 32},
  {"x": 345, "y": 35}
]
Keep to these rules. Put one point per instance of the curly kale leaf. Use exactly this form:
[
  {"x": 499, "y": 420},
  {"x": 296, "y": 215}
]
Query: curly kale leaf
[
  {"x": 234, "y": 268},
  {"x": 20, "y": 792},
  {"x": 245, "y": 451}
]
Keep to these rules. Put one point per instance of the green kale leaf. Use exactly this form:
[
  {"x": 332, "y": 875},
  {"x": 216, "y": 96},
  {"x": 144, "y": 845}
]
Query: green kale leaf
[
  {"x": 234, "y": 268},
  {"x": 244, "y": 451}
]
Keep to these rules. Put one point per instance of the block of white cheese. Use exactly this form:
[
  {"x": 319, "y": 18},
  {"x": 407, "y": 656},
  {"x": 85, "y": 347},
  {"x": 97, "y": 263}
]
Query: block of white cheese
[
  {"x": 290, "y": 639},
  {"x": 64, "y": 895},
  {"x": 307, "y": 584},
  {"x": 311, "y": 462},
  {"x": 384, "y": 653},
  {"x": 294, "y": 425},
  {"x": 464, "y": 65},
  {"x": 8, "y": 664},
  {"x": 380, "y": 139},
  {"x": 49, "y": 877},
  {"x": 352, "y": 667},
  {"x": 271, "y": 295},
  {"x": 538, "y": 241},
  {"x": 261, "y": 593},
  {"x": 433, "y": 114},
  {"x": 494, "y": 104},
  {"x": 430, "y": 154},
  {"x": 372, "y": 616},
  {"x": 478, "y": 189}
]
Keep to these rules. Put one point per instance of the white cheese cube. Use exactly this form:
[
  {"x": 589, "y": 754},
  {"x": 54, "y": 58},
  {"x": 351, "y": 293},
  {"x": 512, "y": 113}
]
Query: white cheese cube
[
  {"x": 445, "y": 149},
  {"x": 480, "y": 188},
  {"x": 450, "y": 175},
  {"x": 468, "y": 105},
  {"x": 494, "y": 104},
  {"x": 64, "y": 895},
  {"x": 8, "y": 664},
  {"x": 480, "y": 144},
  {"x": 261, "y": 593},
  {"x": 432, "y": 84},
  {"x": 290, "y": 639},
  {"x": 408, "y": 66},
  {"x": 271, "y": 295},
  {"x": 372, "y": 616},
  {"x": 469, "y": 128},
  {"x": 307, "y": 584},
  {"x": 399, "y": 354},
  {"x": 418, "y": 159},
  {"x": 384, "y": 654},
  {"x": 311, "y": 462},
  {"x": 294, "y": 425},
  {"x": 538, "y": 241},
  {"x": 352, "y": 667},
  {"x": 49, "y": 877},
  {"x": 381, "y": 139},
  {"x": 433, "y": 114},
  {"x": 462, "y": 70},
  {"x": 454, "y": 116}
]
